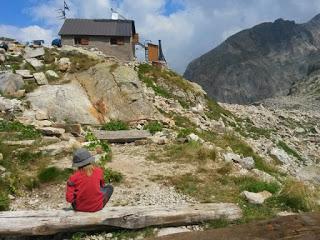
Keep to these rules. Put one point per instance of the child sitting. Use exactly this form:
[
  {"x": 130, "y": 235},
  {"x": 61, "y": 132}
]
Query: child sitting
[{"x": 86, "y": 190}]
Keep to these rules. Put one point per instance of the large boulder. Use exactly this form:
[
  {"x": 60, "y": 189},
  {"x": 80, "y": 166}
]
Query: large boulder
[
  {"x": 68, "y": 102},
  {"x": 256, "y": 198},
  {"x": 116, "y": 92},
  {"x": 10, "y": 83},
  {"x": 10, "y": 105}
]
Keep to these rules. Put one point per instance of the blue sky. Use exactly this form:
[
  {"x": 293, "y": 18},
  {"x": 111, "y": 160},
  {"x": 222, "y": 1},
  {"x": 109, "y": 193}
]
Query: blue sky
[{"x": 187, "y": 28}]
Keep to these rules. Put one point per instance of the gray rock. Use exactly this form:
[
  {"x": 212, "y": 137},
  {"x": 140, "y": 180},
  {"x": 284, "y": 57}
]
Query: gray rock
[
  {"x": 118, "y": 94},
  {"x": 10, "y": 105},
  {"x": 281, "y": 155},
  {"x": 64, "y": 102},
  {"x": 24, "y": 73},
  {"x": 256, "y": 198},
  {"x": 263, "y": 176},
  {"x": 35, "y": 63},
  {"x": 310, "y": 174},
  {"x": 2, "y": 168},
  {"x": 10, "y": 83},
  {"x": 247, "y": 163},
  {"x": 1, "y": 156},
  {"x": 64, "y": 64},
  {"x": 231, "y": 157},
  {"x": 40, "y": 78},
  {"x": 52, "y": 74},
  {"x": 33, "y": 52},
  {"x": 194, "y": 137},
  {"x": 50, "y": 131}
]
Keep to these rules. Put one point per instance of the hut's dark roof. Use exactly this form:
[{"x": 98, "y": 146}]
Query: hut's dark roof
[{"x": 98, "y": 27}]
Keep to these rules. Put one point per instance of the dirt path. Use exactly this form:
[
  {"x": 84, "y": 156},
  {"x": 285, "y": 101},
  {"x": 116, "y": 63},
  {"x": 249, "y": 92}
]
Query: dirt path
[{"x": 138, "y": 188}]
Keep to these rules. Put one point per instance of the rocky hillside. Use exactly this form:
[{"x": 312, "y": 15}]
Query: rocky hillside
[
  {"x": 258, "y": 63},
  {"x": 55, "y": 100}
]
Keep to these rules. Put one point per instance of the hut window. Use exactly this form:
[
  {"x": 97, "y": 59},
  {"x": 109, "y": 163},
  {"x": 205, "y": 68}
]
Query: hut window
[
  {"x": 117, "y": 41},
  {"x": 81, "y": 41}
]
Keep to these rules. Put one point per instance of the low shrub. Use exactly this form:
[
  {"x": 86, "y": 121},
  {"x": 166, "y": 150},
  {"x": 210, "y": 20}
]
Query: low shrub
[
  {"x": 24, "y": 132},
  {"x": 115, "y": 125},
  {"x": 154, "y": 127},
  {"x": 111, "y": 176}
]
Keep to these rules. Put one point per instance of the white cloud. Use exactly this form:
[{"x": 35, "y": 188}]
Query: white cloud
[
  {"x": 27, "y": 33},
  {"x": 188, "y": 33}
]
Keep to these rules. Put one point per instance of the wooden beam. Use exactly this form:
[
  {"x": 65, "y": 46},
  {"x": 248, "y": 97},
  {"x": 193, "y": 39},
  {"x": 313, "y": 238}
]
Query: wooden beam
[
  {"x": 295, "y": 227},
  {"x": 49, "y": 222},
  {"x": 123, "y": 136}
]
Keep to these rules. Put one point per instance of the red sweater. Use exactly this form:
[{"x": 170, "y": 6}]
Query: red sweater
[{"x": 84, "y": 191}]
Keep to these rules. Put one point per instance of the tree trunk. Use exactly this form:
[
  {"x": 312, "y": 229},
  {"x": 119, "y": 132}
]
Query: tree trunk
[{"x": 28, "y": 223}]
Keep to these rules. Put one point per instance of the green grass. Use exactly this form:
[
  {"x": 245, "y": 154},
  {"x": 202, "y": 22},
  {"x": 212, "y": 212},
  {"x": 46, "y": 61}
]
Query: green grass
[
  {"x": 215, "y": 110},
  {"x": 253, "y": 185},
  {"x": 53, "y": 174},
  {"x": 27, "y": 157},
  {"x": 21, "y": 131},
  {"x": 165, "y": 83},
  {"x": 115, "y": 125},
  {"x": 4, "y": 201},
  {"x": 289, "y": 150},
  {"x": 191, "y": 152},
  {"x": 79, "y": 61},
  {"x": 154, "y": 127},
  {"x": 111, "y": 176}
]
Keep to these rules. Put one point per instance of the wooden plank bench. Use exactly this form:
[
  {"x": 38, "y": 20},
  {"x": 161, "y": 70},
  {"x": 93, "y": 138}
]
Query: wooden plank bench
[
  {"x": 49, "y": 222},
  {"x": 123, "y": 136}
]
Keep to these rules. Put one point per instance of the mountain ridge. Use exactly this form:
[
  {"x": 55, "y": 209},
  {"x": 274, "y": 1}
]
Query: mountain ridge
[{"x": 258, "y": 63}]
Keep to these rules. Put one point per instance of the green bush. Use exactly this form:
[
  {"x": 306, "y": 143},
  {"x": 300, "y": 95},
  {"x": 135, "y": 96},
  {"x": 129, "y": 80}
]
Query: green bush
[
  {"x": 111, "y": 176},
  {"x": 115, "y": 125},
  {"x": 95, "y": 143},
  {"x": 28, "y": 156},
  {"x": 154, "y": 127},
  {"x": 53, "y": 174}
]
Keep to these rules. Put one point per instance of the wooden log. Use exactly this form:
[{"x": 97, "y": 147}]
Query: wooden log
[
  {"x": 123, "y": 136},
  {"x": 41, "y": 223},
  {"x": 295, "y": 227}
]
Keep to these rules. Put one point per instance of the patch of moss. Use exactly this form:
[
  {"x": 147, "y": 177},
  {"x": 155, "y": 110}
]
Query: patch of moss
[
  {"x": 79, "y": 61},
  {"x": 215, "y": 110}
]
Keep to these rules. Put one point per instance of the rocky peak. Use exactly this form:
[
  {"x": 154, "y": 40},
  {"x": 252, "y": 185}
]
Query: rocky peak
[{"x": 258, "y": 63}]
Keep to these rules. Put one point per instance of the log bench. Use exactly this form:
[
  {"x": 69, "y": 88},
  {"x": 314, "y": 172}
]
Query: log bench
[{"x": 50, "y": 222}]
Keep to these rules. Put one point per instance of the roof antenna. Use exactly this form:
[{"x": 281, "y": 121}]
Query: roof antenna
[
  {"x": 62, "y": 11},
  {"x": 116, "y": 15}
]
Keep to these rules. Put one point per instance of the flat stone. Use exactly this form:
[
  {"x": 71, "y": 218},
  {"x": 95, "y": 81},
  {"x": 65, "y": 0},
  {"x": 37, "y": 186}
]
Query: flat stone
[
  {"x": 75, "y": 129},
  {"x": 33, "y": 52},
  {"x": 20, "y": 143},
  {"x": 122, "y": 136},
  {"x": 24, "y": 73},
  {"x": 256, "y": 198},
  {"x": 40, "y": 78},
  {"x": 172, "y": 230},
  {"x": 281, "y": 155},
  {"x": 50, "y": 131},
  {"x": 35, "y": 63}
]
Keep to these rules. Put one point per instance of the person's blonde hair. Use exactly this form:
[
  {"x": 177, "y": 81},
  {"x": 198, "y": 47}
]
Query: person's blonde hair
[{"x": 88, "y": 169}]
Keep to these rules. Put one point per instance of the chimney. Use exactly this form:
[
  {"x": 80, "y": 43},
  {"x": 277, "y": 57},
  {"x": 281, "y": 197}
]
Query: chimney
[
  {"x": 115, "y": 16},
  {"x": 161, "y": 55}
]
